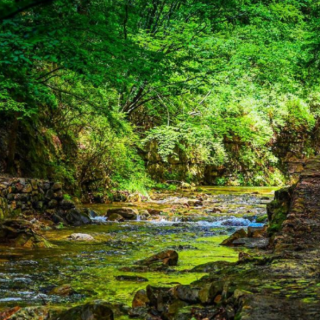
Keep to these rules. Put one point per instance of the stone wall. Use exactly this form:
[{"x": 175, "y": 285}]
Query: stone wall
[{"x": 20, "y": 197}]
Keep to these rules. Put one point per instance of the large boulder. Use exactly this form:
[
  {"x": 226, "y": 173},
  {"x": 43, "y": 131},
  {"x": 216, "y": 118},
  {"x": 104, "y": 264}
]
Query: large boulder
[
  {"x": 21, "y": 233},
  {"x": 115, "y": 217},
  {"x": 89, "y": 311},
  {"x": 74, "y": 216},
  {"x": 126, "y": 213}
]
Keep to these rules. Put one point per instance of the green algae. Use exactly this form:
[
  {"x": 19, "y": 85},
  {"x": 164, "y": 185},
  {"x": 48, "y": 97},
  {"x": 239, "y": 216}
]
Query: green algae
[{"x": 91, "y": 268}]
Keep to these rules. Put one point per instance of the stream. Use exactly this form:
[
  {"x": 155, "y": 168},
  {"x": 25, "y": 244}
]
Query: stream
[{"x": 28, "y": 277}]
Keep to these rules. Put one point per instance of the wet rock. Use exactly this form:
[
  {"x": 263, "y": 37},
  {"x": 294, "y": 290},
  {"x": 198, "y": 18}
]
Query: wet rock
[
  {"x": 140, "y": 299},
  {"x": 115, "y": 217},
  {"x": 237, "y": 235},
  {"x": 167, "y": 257},
  {"x": 126, "y": 213},
  {"x": 21, "y": 233},
  {"x": 144, "y": 214},
  {"x": 81, "y": 237},
  {"x": 77, "y": 217},
  {"x": 131, "y": 278},
  {"x": 89, "y": 311},
  {"x": 260, "y": 243}
]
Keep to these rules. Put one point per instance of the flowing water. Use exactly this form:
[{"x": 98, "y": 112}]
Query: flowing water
[{"x": 27, "y": 277}]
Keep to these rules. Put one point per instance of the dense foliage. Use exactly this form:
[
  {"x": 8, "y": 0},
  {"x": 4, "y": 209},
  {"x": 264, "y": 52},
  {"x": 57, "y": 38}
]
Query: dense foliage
[{"x": 102, "y": 89}]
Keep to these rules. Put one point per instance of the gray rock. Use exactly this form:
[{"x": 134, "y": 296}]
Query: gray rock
[{"x": 81, "y": 237}]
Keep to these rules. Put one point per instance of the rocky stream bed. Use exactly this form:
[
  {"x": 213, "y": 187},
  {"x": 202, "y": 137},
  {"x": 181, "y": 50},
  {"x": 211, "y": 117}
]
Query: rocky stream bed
[
  {"x": 103, "y": 267},
  {"x": 211, "y": 253}
]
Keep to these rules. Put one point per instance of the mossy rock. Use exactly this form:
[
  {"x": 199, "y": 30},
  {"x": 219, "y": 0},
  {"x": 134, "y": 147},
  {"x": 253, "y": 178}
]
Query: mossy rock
[
  {"x": 237, "y": 235},
  {"x": 21, "y": 233}
]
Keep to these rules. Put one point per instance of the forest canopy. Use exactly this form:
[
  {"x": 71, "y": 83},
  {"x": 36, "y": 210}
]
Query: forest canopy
[{"x": 118, "y": 93}]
